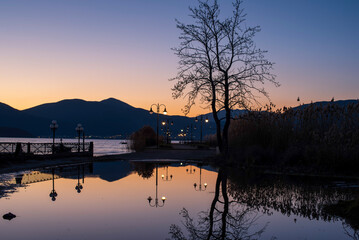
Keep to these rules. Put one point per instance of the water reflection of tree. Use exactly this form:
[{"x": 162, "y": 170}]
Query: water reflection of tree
[
  {"x": 350, "y": 232},
  {"x": 226, "y": 219},
  {"x": 288, "y": 195},
  {"x": 144, "y": 169}
]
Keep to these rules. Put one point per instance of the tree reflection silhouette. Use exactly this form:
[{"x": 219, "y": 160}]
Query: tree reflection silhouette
[
  {"x": 144, "y": 169},
  {"x": 289, "y": 195},
  {"x": 350, "y": 232},
  {"x": 224, "y": 220}
]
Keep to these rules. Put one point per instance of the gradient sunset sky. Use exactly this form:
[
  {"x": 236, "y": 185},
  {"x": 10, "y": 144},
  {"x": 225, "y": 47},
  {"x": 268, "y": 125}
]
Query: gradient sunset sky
[{"x": 93, "y": 50}]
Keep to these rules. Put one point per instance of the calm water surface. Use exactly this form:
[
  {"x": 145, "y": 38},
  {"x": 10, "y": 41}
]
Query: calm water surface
[{"x": 109, "y": 200}]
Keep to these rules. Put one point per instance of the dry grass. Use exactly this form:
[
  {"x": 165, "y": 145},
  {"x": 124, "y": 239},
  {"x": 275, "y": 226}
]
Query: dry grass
[{"x": 323, "y": 137}]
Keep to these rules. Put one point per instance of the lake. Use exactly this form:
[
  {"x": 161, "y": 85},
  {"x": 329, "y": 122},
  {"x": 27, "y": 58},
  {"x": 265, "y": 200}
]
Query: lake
[{"x": 123, "y": 200}]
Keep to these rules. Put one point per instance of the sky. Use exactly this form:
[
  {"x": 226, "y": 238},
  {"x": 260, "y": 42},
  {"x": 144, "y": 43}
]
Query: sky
[{"x": 96, "y": 49}]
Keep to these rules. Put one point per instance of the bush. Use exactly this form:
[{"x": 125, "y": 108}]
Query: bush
[{"x": 143, "y": 138}]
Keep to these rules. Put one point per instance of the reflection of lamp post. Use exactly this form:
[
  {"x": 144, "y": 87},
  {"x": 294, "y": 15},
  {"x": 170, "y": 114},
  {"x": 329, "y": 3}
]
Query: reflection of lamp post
[
  {"x": 78, "y": 186},
  {"x": 53, "y": 193},
  {"x": 158, "y": 112},
  {"x": 166, "y": 179},
  {"x": 190, "y": 171},
  {"x": 201, "y": 120},
  {"x": 53, "y": 127},
  {"x": 156, "y": 204},
  {"x": 79, "y": 129},
  {"x": 200, "y": 182}
]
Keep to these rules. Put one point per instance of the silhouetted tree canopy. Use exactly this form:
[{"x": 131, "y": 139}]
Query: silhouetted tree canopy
[{"x": 220, "y": 63}]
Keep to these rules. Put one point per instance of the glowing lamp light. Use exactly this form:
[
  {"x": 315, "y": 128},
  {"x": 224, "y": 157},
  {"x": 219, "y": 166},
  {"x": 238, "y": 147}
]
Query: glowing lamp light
[
  {"x": 163, "y": 199},
  {"x": 165, "y": 112}
]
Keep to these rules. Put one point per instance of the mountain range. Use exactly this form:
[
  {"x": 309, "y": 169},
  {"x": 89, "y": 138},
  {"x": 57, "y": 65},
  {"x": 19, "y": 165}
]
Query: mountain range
[{"x": 106, "y": 118}]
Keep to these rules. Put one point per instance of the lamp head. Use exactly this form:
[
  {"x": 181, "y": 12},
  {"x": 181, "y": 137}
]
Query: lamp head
[
  {"x": 163, "y": 199},
  {"x": 149, "y": 199},
  {"x": 151, "y": 110},
  {"x": 165, "y": 112}
]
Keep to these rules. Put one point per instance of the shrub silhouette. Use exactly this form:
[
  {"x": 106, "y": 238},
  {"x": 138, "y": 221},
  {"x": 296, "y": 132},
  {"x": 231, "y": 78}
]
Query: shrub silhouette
[{"x": 143, "y": 138}]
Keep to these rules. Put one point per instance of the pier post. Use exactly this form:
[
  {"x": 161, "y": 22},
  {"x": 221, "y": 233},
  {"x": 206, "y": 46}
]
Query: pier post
[
  {"x": 91, "y": 149},
  {"x": 18, "y": 148}
]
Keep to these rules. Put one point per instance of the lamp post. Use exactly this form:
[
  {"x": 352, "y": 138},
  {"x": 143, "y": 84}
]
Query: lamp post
[
  {"x": 201, "y": 121},
  {"x": 53, "y": 193},
  {"x": 190, "y": 133},
  {"x": 83, "y": 140},
  {"x": 166, "y": 179},
  {"x": 200, "y": 182},
  {"x": 79, "y": 129},
  {"x": 53, "y": 127},
  {"x": 156, "y": 203},
  {"x": 158, "y": 106}
]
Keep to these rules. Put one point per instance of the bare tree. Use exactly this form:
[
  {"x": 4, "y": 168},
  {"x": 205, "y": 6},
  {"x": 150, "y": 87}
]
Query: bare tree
[{"x": 220, "y": 64}]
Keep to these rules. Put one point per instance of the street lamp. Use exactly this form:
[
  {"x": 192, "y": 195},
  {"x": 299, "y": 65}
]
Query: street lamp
[
  {"x": 53, "y": 193},
  {"x": 158, "y": 106},
  {"x": 53, "y": 127},
  {"x": 200, "y": 182},
  {"x": 156, "y": 203},
  {"x": 201, "y": 120},
  {"x": 166, "y": 178},
  {"x": 79, "y": 129}
]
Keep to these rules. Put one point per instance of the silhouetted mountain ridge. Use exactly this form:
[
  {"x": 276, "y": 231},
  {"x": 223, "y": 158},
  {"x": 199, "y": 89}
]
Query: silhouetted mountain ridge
[{"x": 104, "y": 118}]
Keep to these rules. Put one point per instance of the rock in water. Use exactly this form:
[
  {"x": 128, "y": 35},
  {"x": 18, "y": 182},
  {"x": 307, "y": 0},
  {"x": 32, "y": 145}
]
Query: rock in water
[{"x": 9, "y": 216}]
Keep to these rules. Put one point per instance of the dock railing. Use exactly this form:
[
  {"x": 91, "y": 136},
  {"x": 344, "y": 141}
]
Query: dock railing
[{"x": 18, "y": 148}]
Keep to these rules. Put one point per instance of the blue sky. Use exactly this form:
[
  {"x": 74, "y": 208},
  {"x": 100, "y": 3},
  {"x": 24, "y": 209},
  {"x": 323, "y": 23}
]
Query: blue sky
[{"x": 52, "y": 50}]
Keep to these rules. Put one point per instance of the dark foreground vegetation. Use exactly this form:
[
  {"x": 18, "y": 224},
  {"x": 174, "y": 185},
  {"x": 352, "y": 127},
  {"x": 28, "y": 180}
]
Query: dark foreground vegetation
[{"x": 317, "y": 138}]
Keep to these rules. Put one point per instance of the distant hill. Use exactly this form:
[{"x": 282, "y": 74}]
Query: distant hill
[
  {"x": 14, "y": 132},
  {"x": 15, "y": 119},
  {"x": 105, "y": 118},
  {"x": 340, "y": 103}
]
